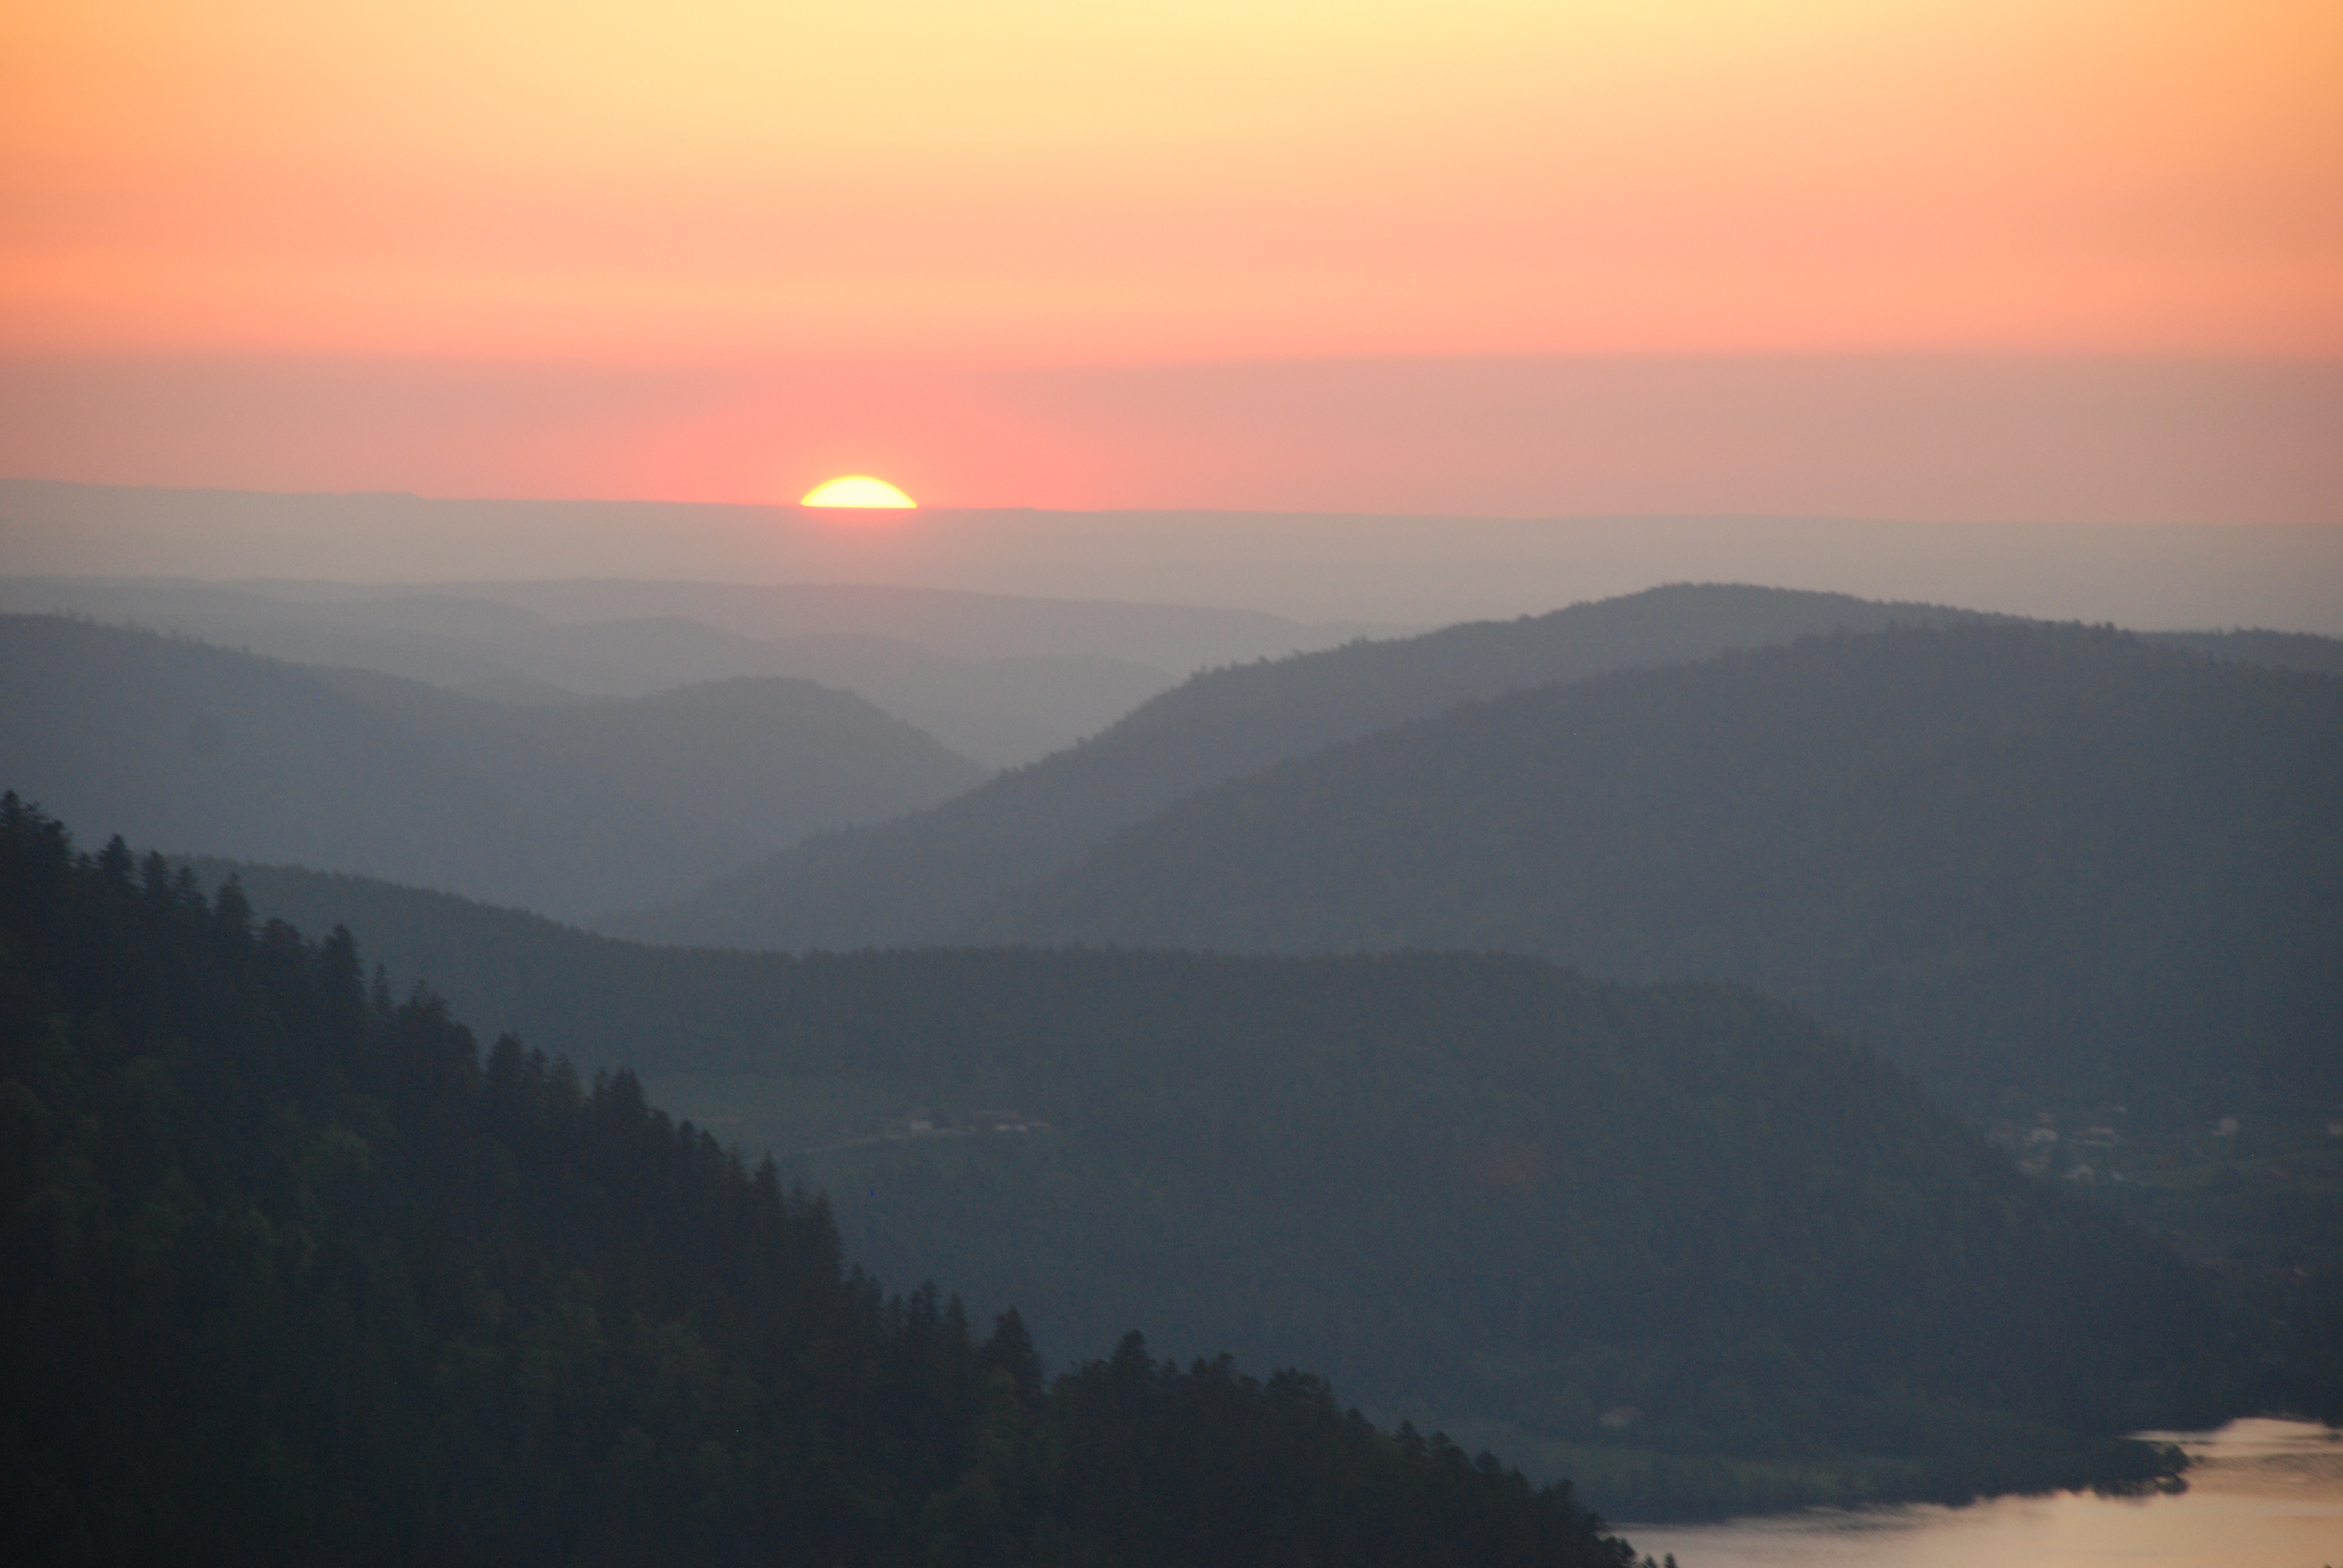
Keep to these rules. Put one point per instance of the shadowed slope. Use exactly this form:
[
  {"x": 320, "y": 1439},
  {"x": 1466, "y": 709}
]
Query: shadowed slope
[
  {"x": 921, "y": 876},
  {"x": 1476, "y": 1189},
  {"x": 2022, "y": 859},
  {"x": 290, "y": 1274}
]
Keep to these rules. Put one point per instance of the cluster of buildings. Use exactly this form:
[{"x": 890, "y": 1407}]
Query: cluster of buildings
[
  {"x": 923, "y": 1122},
  {"x": 2082, "y": 1154},
  {"x": 926, "y": 1123},
  {"x": 2038, "y": 1149}
]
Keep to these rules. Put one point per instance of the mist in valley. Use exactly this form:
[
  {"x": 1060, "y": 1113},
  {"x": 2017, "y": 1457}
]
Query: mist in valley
[
  {"x": 1041, "y": 787},
  {"x": 967, "y": 911}
]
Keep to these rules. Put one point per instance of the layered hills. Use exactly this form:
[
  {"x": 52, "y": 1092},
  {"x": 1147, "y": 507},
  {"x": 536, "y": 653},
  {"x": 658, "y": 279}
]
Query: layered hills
[
  {"x": 923, "y": 877},
  {"x": 1003, "y": 679},
  {"x": 569, "y": 808},
  {"x": 1620, "y": 1231},
  {"x": 2024, "y": 861},
  {"x": 1671, "y": 1237},
  {"x": 290, "y": 1273}
]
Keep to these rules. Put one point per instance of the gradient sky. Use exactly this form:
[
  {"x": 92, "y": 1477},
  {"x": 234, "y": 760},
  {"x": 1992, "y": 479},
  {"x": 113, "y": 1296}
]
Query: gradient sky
[{"x": 927, "y": 197}]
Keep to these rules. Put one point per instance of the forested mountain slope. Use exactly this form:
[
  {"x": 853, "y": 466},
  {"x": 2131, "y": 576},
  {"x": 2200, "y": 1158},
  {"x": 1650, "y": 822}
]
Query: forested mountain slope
[
  {"x": 289, "y": 1274},
  {"x": 2270, "y": 650},
  {"x": 1478, "y": 1190},
  {"x": 921, "y": 876},
  {"x": 2023, "y": 861},
  {"x": 569, "y": 808}
]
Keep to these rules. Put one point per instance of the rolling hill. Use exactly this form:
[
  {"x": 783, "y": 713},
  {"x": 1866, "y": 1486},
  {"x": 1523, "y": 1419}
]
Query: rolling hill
[
  {"x": 1001, "y": 709},
  {"x": 569, "y": 808},
  {"x": 2036, "y": 866},
  {"x": 925, "y": 877},
  {"x": 1607, "y": 1229},
  {"x": 922, "y": 877}
]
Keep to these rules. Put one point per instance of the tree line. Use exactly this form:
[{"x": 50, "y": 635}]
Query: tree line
[{"x": 291, "y": 1272}]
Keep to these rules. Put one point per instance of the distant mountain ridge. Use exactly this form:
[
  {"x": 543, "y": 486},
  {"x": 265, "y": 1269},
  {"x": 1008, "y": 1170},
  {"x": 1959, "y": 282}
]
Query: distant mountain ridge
[
  {"x": 1000, "y": 679},
  {"x": 922, "y": 878},
  {"x": 925, "y": 877},
  {"x": 2010, "y": 856},
  {"x": 565, "y": 808}
]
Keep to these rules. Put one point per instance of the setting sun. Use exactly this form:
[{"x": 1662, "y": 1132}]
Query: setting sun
[{"x": 855, "y": 490}]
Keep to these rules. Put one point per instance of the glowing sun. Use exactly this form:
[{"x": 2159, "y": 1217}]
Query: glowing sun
[{"x": 855, "y": 490}]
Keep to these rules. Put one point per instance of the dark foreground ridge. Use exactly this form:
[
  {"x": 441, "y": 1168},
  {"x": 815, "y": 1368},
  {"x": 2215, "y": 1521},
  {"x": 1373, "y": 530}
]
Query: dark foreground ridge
[{"x": 288, "y": 1275}]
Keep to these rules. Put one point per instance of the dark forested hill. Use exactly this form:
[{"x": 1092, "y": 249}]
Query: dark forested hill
[
  {"x": 923, "y": 876},
  {"x": 288, "y": 1274},
  {"x": 1592, "y": 1223},
  {"x": 571, "y": 808},
  {"x": 2026, "y": 861},
  {"x": 2270, "y": 650}
]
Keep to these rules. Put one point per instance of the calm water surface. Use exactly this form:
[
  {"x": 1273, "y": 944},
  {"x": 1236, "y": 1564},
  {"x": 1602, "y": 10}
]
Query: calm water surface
[{"x": 2261, "y": 1495}]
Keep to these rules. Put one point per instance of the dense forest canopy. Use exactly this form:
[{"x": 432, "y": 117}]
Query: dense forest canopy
[
  {"x": 289, "y": 1274},
  {"x": 2271, "y": 649},
  {"x": 2036, "y": 866},
  {"x": 1472, "y": 1189}
]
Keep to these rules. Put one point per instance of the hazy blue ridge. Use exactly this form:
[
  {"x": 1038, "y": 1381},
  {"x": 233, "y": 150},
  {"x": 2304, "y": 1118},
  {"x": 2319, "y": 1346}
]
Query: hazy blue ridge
[
  {"x": 1001, "y": 679},
  {"x": 566, "y": 808}
]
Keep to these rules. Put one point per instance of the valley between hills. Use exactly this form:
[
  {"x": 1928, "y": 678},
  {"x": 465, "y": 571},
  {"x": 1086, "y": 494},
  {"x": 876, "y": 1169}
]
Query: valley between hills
[{"x": 1732, "y": 1048}]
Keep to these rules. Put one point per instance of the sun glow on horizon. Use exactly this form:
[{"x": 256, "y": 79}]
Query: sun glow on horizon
[
  {"x": 857, "y": 490},
  {"x": 1490, "y": 255}
]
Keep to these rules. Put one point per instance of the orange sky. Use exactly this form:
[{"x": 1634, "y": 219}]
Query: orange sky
[{"x": 901, "y": 185}]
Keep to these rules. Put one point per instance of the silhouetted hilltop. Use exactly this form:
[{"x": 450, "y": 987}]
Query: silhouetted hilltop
[
  {"x": 569, "y": 808},
  {"x": 2023, "y": 861},
  {"x": 289, "y": 1274},
  {"x": 920, "y": 878}
]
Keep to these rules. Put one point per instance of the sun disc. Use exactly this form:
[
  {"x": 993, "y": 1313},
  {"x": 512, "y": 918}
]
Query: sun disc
[{"x": 855, "y": 490}]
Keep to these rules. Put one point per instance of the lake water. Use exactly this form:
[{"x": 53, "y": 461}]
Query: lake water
[{"x": 2261, "y": 1495}]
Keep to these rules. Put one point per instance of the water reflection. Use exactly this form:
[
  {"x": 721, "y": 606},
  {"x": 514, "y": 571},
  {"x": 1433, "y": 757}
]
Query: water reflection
[{"x": 2261, "y": 1495}]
